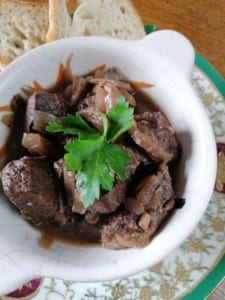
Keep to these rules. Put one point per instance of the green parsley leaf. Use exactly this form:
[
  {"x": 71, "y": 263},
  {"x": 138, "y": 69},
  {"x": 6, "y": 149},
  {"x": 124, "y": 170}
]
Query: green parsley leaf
[
  {"x": 80, "y": 151},
  {"x": 74, "y": 125},
  {"x": 93, "y": 156},
  {"x": 121, "y": 118}
]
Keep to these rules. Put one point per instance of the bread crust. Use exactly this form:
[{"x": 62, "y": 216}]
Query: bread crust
[
  {"x": 37, "y": 3},
  {"x": 85, "y": 22},
  {"x": 57, "y": 23}
]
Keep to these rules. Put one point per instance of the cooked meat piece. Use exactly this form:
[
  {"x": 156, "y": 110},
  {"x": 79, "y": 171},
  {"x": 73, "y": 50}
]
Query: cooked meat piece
[
  {"x": 110, "y": 73},
  {"x": 75, "y": 91},
  {"x": 14, "y": 148},
  {"x": 92, "y": 107},
  {"x": 37, "y": 144},
  {"x": 113, "y": 92},
  {"x": 79, "y": 89},
  {"x": 110, "y": 82},
  {"x": 29, "y": 185},
  {"x": 129, "y": 97},
  {"x": 163, "y": 194},
  {"x": 144, "y": 221},
  {"x": 107, "y": 91},
  {"x": 153, "y": 133},
  {"x": 109, "y": 201},
  {"x": 122, "y": 231},
  {"x": 49, "y": 103},
  {"x": 92, "y": 217},
  {"x": 100, "y": 95},
  {"x": 73, "y": 198},
  {"x": 93, "y": 116},
  {"x": 136, "y": 154},
  {"x": 156, "y": 218},
  {"x": 41, "y": 120},
  {"x": 152, "y": 193},
  {"x": 87, "y": 109},
  {"x": 128, "y": 229}
]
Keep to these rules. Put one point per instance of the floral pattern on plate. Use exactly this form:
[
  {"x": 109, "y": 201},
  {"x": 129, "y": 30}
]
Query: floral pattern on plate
[{"x": 183, "y": 269}]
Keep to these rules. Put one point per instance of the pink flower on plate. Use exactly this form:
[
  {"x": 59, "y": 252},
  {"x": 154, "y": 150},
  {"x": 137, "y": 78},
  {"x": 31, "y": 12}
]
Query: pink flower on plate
[{"x": 26, "y": 291}]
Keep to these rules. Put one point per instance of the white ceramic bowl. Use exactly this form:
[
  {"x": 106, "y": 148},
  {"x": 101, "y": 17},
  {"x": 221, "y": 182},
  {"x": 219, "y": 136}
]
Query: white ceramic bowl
[{"x": 164, "y": 58}]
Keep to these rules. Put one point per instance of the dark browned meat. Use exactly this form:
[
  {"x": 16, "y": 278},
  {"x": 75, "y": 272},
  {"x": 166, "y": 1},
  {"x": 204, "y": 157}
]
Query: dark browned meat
[
  {"x": 111, "y": 82},
  {"x": 49, "y": 103},
  {"x": 88, "y": 110},
  {"x": 153, "y": 133},
  {"x": 37, "y": 144},
  {"x": 79, "y": 89},
  {"x": 29, "y": 185},
  {"x": 41, "y": 120},
  {"x": 152, "y": 201},
  {"x": 122, "y": 231},
  {"x": 107, "y": 91},
  {"x": 111, "y": 73},
  {"x": 93, "y": 116},
  {"x": 136, "y": 154},
  {"x": 152, "y": 193},
  {"x": 109, "y": 201},
  {"x": 73, "y": 199},
  {"x": 76, "y": 91}
]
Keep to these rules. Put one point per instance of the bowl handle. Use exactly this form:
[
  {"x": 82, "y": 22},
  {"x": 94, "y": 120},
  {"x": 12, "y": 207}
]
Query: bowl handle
[{"x": 175, "y": 47}]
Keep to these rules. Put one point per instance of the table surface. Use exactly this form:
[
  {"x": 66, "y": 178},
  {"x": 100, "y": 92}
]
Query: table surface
[{"x": 201, "y": 21}]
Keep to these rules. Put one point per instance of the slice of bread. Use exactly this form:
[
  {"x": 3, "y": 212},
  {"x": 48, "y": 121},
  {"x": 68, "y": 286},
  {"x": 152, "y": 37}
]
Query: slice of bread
[
  {"x": 114, "y": 18},
  {"x": 23, "y": 26}
]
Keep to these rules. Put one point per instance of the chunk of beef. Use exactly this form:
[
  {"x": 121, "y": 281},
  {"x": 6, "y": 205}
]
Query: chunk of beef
[
  {"x": 111, "y": 82},
  {"x": 113, "y": 92},
  {"x": 37, "y": 144},
  {"x": 93, "y": 116},
  {"x": 48, "y": 103},
  {"x": 29, "y": 185},
  {"x": 122, "y": 231},
  {"x": 87, "y": 109},
  {"x": 152, "y": 193},
  {"x": 145, "y": 212},
  {"x": 136, "y": 154},
  {"x": 109, "y": 201},
  {"x": 76, "y": 91},
  {"x": 110, "y": 73},
  {"x": 72, "y": 194},
  {"x": 79, "y": 89},
  {"x": 153, "y": 133},
  {"x": 41, "y": 120},
  {"x": 107, "y": 91}
]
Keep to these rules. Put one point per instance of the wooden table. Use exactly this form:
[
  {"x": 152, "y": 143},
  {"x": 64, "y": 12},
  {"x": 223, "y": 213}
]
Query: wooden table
[{"x": 201, "y": 21}]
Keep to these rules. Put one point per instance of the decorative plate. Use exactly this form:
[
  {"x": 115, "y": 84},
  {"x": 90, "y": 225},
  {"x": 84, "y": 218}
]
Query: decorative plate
[{"x": 193, "y": 270}]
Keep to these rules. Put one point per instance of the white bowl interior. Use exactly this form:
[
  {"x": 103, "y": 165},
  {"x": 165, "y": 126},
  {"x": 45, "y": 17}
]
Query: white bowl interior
[{"x": 21, "y": 257}]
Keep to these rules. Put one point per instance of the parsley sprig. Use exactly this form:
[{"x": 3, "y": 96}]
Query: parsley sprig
[{"x": 93, "y": 156}]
